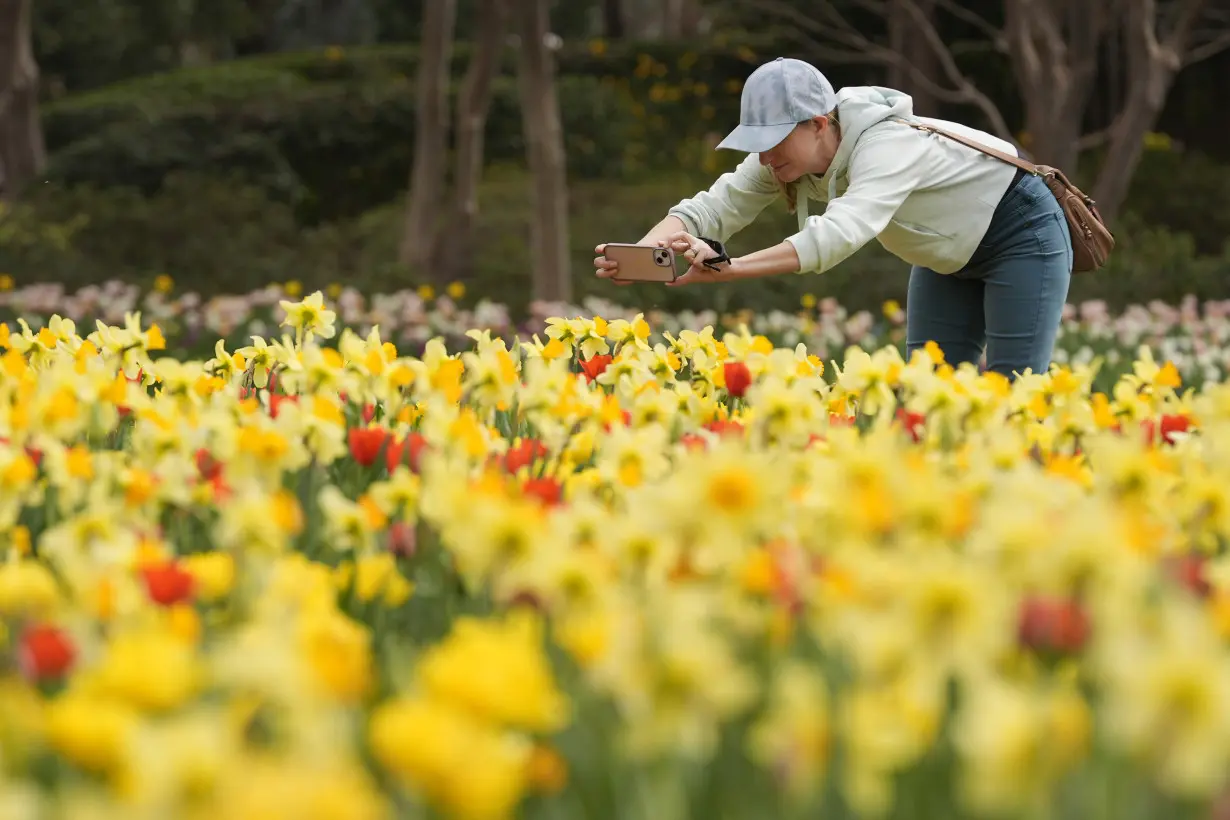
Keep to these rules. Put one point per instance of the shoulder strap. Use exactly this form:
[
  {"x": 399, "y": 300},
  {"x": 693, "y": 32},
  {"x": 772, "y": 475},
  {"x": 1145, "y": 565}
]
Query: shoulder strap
[{"x": 1024, "y": 165}]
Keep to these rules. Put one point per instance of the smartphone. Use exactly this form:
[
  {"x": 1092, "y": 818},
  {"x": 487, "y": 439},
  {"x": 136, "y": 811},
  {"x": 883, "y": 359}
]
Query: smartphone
[{"x": 642, "y": 263}]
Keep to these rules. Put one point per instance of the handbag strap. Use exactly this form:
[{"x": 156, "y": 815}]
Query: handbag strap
[{"x": 1024, "y": 165}]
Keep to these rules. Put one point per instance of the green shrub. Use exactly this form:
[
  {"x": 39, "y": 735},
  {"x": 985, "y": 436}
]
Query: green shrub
[
  {"x": 332, "y": 150},
  {"x": 333, "y": 131},
  {"x": 213, "y": 234},
  {"x": 1183, "y": 191}
]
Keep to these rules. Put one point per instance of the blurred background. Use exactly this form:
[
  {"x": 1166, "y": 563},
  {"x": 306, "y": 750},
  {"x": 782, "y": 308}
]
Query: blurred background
[{"x": 485, "y": 147}]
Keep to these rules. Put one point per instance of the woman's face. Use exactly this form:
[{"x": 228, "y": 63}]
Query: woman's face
[{"x": 809, "y": 149}]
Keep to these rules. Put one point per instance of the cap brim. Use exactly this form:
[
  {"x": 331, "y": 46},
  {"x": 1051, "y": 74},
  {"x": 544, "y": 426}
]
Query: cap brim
[{"x": 756, "y": 138}]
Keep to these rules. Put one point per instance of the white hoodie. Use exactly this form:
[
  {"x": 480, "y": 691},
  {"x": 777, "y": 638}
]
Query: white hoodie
[{"x": 927, "y": 198}]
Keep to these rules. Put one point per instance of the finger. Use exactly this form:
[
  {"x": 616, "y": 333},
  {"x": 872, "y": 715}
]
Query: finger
[
  {"x": 685, "y": 279},
  {"x": 601, "y": 248},
  {"x": 603, "y": 262},
  {"x": 680, "y": 245},
  {"x": 684, "y": 235}
]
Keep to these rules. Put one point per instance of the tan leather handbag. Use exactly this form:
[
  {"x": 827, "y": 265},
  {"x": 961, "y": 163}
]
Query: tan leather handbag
[{"x": 1092, "y": 241}]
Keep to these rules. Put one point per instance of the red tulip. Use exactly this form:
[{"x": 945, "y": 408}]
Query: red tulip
[
  {"x": 1171, "y": 424},
  {"x": 365, "y": 443},
  {"x": 1189, "y": 570},
  {"x": 1052, "y": 624},
  {"x": 725, "y": 428},
  {"x": 276, "y": 400},
  {"x": 222, "y": 490},
  {"x": 405, "y": 451},
  {"x": 914, "y": 423},
  {"x": 524, "y": 454},
  {"x": 738, "y": 378},
  {"x": 547, "y": 490},
  {"x": 208, "y": 466},
  {"x": 403, "y": 539},
  {"x": 167, "y": 584},
  {"x": 46, "y": 653},
  {"x": 693, "y": 441},
  {"x": 594, "y": 366}
]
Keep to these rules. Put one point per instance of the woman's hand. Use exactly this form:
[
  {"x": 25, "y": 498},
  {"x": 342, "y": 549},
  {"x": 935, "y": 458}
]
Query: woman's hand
[
  {"x": 695, "y": 251},
  {"x": 605, "y": 268},
  {"x": 608, "y": 268}
]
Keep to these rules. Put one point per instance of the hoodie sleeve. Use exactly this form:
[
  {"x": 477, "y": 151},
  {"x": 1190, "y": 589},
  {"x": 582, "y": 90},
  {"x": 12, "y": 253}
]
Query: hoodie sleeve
[
  {"x": 731, "y": 203},
  {"x": 885, "y": 166}
]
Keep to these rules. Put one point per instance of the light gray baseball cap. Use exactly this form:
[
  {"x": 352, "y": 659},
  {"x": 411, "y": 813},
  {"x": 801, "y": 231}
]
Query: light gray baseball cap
[{"x": 776, "y": 97}]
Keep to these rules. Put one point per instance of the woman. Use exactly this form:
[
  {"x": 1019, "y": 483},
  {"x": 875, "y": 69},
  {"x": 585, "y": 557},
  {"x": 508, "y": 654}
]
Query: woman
[{"x": 989, "y": 245}]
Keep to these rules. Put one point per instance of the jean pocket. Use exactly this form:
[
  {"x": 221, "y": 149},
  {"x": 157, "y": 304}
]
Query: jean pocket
[{"x": 1051, "y": 231}]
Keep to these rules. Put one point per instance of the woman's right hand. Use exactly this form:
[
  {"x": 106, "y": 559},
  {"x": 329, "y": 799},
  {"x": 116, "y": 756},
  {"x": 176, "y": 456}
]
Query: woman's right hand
[
  {"x": 608, "y": 268},
  {"x": 605, "y": 268}
]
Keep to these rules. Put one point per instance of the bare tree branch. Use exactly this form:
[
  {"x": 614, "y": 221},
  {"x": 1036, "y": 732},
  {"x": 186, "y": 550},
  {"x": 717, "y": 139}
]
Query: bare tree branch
[
  {"x": 993, "y": 33},
  {"x": 1022, "y": 50},
  {"x": 1187, "y": 15},
  {"x": 1154, "y": 59},
  {"x": 1211, "y": 40},
  {"x": 855, "y": 47},
  {"x": 964, "y": 47},
  {"x": 878, "y": 7},
  {"x": 1096, "y": 139},
  {"x": 956, "y": 76},
  {"x": 1208, "y": 49}
]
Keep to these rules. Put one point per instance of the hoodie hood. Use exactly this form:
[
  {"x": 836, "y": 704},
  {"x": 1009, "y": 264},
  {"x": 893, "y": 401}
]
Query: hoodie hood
[{"x": 859, "y": 108}]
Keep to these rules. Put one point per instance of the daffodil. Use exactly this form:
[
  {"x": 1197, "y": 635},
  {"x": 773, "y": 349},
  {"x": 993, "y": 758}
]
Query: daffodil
[{"x": 309, "y": 317}]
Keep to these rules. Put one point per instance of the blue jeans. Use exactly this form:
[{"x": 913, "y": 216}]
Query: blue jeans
[{"x": 1010, "y": 295}]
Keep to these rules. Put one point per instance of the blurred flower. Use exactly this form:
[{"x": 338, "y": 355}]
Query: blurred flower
[{"x": 46, "y": 653}]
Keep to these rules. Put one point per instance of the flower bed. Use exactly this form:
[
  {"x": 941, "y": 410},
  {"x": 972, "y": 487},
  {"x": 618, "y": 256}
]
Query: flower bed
[
  {"x": 1195, "y": 336},
  {"x": 593, "y": 574}
]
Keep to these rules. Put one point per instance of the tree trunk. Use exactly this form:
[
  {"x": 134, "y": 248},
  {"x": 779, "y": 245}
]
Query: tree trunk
[
  {"x": 904, "y": 40},
  {"x": 613, "y": 19},
  {"x": 679, "y": 18},
  {"x": 1152, "y": 66},
  {"x": 544, "y": 140},
  {"x": 427, "y": 177},
  {"x": 454, "y": 257},
  {"x": 1126, "y": 146},
  {"x": 1054, "y": 52},
  {"x": 23, "y": 154},
  {"x": 644, "y": 18}
]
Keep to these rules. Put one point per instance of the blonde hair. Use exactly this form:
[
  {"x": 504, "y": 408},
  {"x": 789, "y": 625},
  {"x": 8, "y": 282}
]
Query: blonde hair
[{"x": 791, "y": 190}]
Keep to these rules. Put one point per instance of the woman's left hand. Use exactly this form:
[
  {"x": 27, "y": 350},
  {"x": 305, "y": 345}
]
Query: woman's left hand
[{"x": 696, "y": 252}]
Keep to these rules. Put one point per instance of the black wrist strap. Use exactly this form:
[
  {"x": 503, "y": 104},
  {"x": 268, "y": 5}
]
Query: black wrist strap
[{"x": 717, "y": 248}]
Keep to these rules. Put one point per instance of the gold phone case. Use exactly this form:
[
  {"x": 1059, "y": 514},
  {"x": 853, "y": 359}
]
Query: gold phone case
[{"x": 642, "y": 263}]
